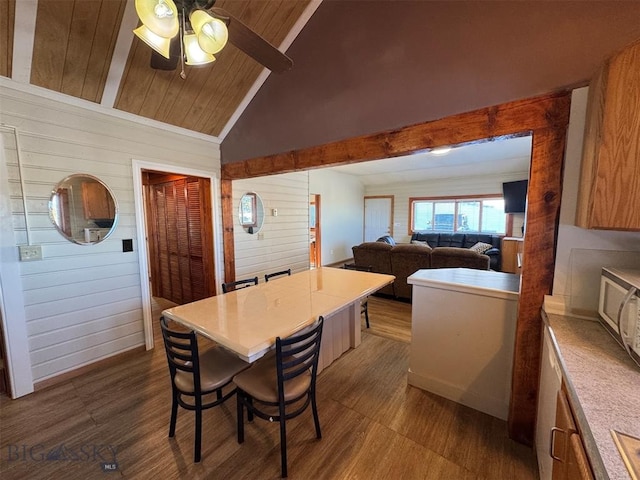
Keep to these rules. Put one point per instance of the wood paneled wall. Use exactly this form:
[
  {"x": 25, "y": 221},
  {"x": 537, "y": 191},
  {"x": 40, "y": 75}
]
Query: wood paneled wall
[
  {"x": 546, "y": 118},
  {"x": 7, "y": 17},
  {"x": 283, "y": 241},
  {"x": 82, "y": 303}
]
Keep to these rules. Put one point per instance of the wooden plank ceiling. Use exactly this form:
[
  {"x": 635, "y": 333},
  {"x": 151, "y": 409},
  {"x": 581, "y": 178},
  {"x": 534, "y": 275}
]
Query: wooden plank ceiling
[{"x": 74, "y": 46}]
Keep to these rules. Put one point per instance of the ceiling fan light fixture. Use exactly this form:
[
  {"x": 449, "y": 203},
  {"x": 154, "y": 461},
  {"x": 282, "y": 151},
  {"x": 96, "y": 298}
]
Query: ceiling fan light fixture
[
  {"x": 160, "y": 44},
  {"x": 211, "y": 32},
  {"x": 195, "y": 55},
  {"x": 159, "y": 16}
]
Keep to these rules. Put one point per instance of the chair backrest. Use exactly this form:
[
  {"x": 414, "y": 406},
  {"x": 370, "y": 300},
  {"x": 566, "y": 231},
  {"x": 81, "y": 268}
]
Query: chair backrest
[
  {"x": 359, "y": 268},
  {"x": 247, "y": 282},
  {"x": 297, "y": 354},
  {"x": 275, "y": 274},
  {"x": 182, "y": 354}
]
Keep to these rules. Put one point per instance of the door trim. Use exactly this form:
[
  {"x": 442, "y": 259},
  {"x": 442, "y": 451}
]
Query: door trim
[{"x": 141, "y": 231}]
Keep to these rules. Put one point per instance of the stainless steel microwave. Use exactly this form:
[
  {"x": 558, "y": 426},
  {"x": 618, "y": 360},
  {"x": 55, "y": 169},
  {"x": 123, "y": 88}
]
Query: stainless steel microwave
[{"x": 619, "y": 307}]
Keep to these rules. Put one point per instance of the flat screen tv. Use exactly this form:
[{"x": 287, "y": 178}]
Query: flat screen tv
[{"x": 515, "y": 196}]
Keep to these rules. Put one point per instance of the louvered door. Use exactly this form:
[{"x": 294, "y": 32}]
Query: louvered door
[{"x": 180, "y": 238}]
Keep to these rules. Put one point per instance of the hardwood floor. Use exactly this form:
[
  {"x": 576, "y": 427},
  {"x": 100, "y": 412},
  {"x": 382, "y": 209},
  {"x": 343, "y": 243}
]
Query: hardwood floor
[{"x": 374, "y": 426}]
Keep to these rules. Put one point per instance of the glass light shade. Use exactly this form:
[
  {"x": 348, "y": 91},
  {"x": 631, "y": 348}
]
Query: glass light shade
[
  {"x": 159, "y": 16},
  {"x": 160, "y": 44},
  {"x": 212, "y": 32},
  {"x": 195, "y": 55}
]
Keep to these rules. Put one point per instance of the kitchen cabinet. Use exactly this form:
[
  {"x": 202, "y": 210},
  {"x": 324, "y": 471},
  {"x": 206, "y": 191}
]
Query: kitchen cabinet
[
  {"x": 559, "y": 448},
  {"x": 97, "y": 201},
  {"x": 609, "y": 195},
  {"x": 569, "y": 458},
  {"x": 511, "y": 254}
]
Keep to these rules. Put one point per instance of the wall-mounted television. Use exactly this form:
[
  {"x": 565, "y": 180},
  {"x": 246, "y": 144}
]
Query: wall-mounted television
[{"x": 515, "y": 196}]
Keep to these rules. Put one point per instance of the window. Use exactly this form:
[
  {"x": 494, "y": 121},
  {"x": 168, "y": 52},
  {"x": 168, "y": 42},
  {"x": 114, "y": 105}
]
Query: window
[{"x": 465, "y": 214}]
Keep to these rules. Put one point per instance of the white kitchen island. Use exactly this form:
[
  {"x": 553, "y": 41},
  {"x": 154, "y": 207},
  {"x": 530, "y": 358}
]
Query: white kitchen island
[{"x": 463, "y": 334}]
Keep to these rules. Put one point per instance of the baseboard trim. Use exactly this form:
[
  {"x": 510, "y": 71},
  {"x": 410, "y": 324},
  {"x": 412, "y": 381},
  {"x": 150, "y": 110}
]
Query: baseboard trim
[{"x": 106, "y": 362}]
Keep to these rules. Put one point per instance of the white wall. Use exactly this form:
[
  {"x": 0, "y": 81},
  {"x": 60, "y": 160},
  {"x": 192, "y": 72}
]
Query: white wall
[
  {"x": 342, "y": 213},
  {"x": 471, "y": 185},
  {"x": 283, "y": 241},
  {"x": 82, "y": 303},
  {"x": 581, "y": 253}
]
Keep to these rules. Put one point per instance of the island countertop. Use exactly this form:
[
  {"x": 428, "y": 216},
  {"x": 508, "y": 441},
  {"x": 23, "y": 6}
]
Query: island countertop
[{"x": 604, "y": 388}]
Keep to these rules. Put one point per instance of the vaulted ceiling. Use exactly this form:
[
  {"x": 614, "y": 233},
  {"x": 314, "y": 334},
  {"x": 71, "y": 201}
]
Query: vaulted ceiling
[{"x": 86, "y": 49}]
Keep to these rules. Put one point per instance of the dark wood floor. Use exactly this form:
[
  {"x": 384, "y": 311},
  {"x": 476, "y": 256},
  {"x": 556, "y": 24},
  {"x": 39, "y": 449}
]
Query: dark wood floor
[{"x": 374, "y": 426}]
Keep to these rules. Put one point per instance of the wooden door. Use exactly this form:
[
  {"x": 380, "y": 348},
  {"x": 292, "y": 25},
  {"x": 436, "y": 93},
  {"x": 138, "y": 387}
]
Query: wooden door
[{"x": 180, "y": 236}]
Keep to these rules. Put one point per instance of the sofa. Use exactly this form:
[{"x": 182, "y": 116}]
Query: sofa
[
  {"x": 464, "y": 240},
  {"x": 405, "y": 259}
]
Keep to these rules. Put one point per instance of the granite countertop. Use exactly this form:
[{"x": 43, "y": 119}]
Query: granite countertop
[{"x": 604, "y": 389}]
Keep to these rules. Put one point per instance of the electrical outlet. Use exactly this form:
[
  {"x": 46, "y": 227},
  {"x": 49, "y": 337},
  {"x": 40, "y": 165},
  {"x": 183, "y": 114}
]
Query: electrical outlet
[
  {"x": 29, "y": 253},
  {"x": 260, "y": 236}
]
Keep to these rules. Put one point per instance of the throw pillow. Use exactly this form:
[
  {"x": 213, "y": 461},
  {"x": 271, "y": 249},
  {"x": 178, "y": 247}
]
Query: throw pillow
[
  {"x": 420, "y": 242},
  {"x": 481, "y": 247}
]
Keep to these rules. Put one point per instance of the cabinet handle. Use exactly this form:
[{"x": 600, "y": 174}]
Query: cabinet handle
[{"x": 553, "y": 441}]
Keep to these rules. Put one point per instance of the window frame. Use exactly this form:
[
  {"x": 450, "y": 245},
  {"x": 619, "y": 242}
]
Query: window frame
[{"x": 455, "y": 199}]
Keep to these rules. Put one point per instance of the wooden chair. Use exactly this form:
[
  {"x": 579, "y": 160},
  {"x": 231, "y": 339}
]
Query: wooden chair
[
  {"x": 195, "y": 376},
  {"x": 364, "y": 306},
  {"x": 230, "y": 286},
  {"x": 271, "y": 275},
  {"x": 269, "y": 388}
]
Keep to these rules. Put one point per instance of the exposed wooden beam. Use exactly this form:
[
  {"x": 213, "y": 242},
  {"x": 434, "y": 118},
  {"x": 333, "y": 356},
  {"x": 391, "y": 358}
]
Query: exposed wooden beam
[{"x": 545, "y": 118}]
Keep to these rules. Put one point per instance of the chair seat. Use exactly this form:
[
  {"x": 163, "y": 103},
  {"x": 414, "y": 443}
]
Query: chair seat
[
  {"x": 217, "y": 368},
  {"x": 261, "y": 382}
]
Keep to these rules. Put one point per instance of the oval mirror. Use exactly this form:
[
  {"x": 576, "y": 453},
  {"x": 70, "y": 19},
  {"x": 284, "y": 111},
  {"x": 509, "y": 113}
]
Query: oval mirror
[
  {"x": 83, "y": 209},
  {"x": 251, "y": 212}
]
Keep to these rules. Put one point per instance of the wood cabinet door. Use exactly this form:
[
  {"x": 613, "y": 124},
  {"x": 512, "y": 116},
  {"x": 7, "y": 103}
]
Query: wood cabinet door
[
  {"x": 570, "y": 460},
  {"x": 577, "y": 464},
  {"x": 610, "y": 177},
  {"x": 97, "y": 201},
  {"x": 564, "y": 428}
]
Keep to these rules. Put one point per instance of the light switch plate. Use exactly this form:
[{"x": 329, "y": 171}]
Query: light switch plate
[{"x": 28, "y": 253}]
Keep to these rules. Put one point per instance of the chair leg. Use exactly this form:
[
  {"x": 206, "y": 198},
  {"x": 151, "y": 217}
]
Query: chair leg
[
  {"x": 283, "y": 445},
  {"x": 196, "y": 455},
  {"x": 240, "y": 415},
  {"x": 365, "y": 307},
  {"x": 174, "y": 415},
  {"x": 314, "y": 409}
]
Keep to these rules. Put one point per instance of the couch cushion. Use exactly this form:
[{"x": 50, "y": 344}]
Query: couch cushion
[
  {"x": 481, "y": 247},
  {"x": 452, "y": 257},
  {"x": 470, "y": 239},
  {"x": 452, "y": 240},
  {"x": 431, "y": 238},
  {"x": 406, "y": 260},
  {"x": 376, "y": 255}
]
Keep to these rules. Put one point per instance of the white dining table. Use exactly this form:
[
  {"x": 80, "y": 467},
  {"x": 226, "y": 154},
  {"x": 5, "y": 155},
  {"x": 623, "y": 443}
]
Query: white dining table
[{"x": 248, "y": 320}]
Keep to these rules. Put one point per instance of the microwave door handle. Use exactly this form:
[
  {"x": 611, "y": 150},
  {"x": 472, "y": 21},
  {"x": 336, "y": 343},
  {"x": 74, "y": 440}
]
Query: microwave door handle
[{"x": 627, "y": 298}]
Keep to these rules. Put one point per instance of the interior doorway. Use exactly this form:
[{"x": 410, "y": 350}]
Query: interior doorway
[
  {"x": 211, "y": 244},
  {"x": 315, "y": 232},
  {"x": 378, "y": 217},
  {"x": 179, "y": 236}
]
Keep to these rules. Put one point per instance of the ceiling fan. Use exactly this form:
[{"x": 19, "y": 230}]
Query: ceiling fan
[{"x": 192, "y": 31}]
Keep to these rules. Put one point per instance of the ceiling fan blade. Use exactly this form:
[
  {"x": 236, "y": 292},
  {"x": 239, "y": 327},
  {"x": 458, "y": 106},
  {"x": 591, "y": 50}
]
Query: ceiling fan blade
[{"x": 253, "y": 44}]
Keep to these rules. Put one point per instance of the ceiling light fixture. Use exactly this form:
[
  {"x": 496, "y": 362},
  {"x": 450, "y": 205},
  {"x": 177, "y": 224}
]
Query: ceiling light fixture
[{"x": 160, "y": 24}]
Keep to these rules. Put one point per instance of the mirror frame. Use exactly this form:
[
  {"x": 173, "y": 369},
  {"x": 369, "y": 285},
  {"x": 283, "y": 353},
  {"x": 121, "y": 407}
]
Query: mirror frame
[
  {"x": 251, "y": 213},
  {"x": 54, "y": 216}
]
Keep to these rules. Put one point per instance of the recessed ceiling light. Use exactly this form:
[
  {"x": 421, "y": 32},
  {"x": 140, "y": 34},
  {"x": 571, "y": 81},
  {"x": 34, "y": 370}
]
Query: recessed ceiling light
[{"x": 441, "y": 150}]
